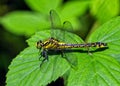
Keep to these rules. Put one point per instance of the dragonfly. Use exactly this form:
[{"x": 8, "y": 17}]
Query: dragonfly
[{"x": 57, "y": 45}]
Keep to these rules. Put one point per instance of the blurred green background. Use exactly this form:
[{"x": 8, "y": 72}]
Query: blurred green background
[{"x": 19, "y": 19}]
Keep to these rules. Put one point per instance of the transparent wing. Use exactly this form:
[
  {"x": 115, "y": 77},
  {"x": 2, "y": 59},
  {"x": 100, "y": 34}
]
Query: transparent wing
[
  {"x": 55, "y": 20},
  {"x": 55, "y": 24},
  {"x": 69, "y": 56},
  {"x": 67, "y": 26},
  {"x": 61, "y": 33}
]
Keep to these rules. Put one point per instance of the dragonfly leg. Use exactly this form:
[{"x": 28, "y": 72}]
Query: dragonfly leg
[
  {"x": 62, "y": 53},
  {"x": 40, "y": 54},
  {"x": 88, "y": 48},
  {"x": 42, "y": 62},
  {"x": 44, "y": 55}
]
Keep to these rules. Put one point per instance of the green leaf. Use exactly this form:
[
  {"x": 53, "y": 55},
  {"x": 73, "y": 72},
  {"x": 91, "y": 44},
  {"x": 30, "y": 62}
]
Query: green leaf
[
  {"x": 70, "y": 13},
  {"x": 95, "y": 69},
  {"x": 109, "y": 33},
  {"x": 104, "y": 10},
  {"x": 43, "y": 6},
  {"x": 98, "y": 67},
  {"x": 101, "y": 67},
  {"x": 25, "y": 68},
  {"x": 24, "y": 22},
  {"x": 69, "y": 9}
]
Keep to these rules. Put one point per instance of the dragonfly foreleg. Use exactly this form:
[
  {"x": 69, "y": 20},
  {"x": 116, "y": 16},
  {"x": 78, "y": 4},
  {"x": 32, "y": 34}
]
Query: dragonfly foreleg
[
  {"x": 40, "y": 54},
  {"x": 44, "y": 54}
]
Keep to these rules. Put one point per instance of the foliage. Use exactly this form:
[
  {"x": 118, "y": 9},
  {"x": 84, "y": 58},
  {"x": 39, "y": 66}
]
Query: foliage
[
  {"x": 103, "y": 10},
  {"x": 99, "y": 67},
  {"x": 27, "y": 23}
]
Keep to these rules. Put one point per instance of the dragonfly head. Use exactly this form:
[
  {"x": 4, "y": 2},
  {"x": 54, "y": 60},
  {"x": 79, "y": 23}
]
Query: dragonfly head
[{"x": 39, "y": 44}]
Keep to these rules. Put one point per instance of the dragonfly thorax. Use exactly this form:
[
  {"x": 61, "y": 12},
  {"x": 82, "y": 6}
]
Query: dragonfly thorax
[{"x": 51, "y": 43}]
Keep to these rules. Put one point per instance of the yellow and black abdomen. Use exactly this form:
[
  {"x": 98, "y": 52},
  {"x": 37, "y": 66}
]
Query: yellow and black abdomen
[{"x": 95, "y": 44}]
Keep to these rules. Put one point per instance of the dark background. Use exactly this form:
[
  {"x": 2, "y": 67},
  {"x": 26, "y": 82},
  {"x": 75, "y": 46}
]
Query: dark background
[{"x": 10, "y": 44}]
